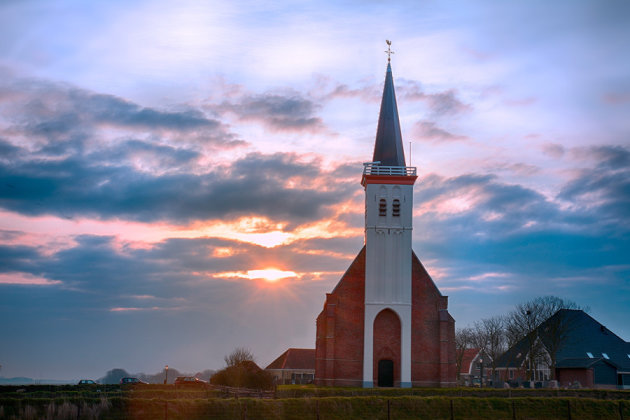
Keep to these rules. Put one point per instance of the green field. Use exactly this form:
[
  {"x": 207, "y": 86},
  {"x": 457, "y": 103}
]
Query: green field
[{"x": 307, "y": 402}]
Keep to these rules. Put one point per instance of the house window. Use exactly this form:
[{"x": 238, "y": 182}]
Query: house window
[
  {"x": 396, "y": 208},
  {"x": 589, "y": 354},
  {"x": 605, "y": 356},
  {"x": 382, "y": 207}
]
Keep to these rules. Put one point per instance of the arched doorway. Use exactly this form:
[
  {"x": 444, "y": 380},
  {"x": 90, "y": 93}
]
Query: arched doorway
[{"x": 386, "y": 350}]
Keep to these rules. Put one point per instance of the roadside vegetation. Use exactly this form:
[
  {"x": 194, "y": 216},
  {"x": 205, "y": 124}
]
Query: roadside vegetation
[{"x": 113, "y": 402}]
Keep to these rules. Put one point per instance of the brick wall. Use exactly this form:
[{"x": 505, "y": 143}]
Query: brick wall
[
  {"x": 387, "y": 342},
  {"x": 432, "y": 332},
  {"x": 339, "y": 341},
  {"x": 568, "y": 376}
]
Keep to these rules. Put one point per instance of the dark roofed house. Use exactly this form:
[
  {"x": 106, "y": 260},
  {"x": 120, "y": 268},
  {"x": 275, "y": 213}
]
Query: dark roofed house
[
  {"x": 588, "y": 353},
  {"x": 294, "y": 366}
]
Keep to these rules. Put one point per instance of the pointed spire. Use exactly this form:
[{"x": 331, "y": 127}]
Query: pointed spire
[{"x": 388, "y": 148}]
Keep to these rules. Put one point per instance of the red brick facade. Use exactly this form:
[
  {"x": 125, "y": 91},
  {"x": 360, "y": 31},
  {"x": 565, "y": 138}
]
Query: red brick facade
[
  {"x": 339, "y": 342},
  {"x": 567, "y": 376},
  {"x": 387, "y": 341}
]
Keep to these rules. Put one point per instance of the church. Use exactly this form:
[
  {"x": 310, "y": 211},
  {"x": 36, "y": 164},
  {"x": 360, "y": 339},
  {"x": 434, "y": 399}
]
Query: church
[{"x": 386, "y": 323}]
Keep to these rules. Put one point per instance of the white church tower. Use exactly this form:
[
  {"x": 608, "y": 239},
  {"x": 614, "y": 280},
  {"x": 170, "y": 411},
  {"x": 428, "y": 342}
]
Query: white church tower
[{"x": 388, "y": 185}]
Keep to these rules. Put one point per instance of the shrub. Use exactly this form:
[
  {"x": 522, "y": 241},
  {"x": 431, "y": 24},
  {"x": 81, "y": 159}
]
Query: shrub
[{"x": 245, "y": 374}]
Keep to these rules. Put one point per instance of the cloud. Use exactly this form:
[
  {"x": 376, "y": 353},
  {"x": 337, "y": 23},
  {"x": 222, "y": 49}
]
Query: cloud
[
  {"x": 279, "y": 112},
  {"x": 24, "y": 279},
  {"x": 108, "y": 292},
  {"x": 443, "y": 103},
  {"x": 56, "y": 118},
  {"x": 616, "y": 98},
  {"x": 554, "y": 150},
  {"x": 602, "y": 192},
  {"x": 168, "y": 274},
  {"x": 428, "y": 130},
  {"x": 440, "y": 103},
  {"x": 8, "y": 151},
  {"x": 254, "y": 185},
  {"x": 368, "y": 93},
  {"x": 160, "y": 157},
  {"x": 58, "y": 108},
  {"x": 520, "y": 102},
  {"x": 485, "y": 235}
]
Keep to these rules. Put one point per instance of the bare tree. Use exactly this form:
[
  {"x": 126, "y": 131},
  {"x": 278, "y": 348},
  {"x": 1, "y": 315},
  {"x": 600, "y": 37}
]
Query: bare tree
[
  {"x": 464, "y": 339},
  {"x": 523, "y": 323},
  {"x": 489, "y": 336},
  {"x": 238, "y": 355}
]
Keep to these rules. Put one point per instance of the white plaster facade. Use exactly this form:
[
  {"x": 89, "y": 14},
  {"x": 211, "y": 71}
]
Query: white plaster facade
[{"x": 388, "y": 267}]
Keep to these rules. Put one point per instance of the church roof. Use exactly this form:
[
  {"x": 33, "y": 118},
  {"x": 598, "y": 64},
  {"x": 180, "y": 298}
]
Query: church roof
[
  {"x": 388, "y": 148},
  {"x": 294, "y": 359}
]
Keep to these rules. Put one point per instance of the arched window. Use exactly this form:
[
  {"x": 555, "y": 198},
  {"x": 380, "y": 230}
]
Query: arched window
[
  {"x": 396, "y": 208},
  {"x": 382, "y": 207}
]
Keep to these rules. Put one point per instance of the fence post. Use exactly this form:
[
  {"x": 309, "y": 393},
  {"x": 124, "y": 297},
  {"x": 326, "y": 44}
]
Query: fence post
[
  {"x": 388, "y": 410},
  {"x": 620, "y": 410},
  {"x": 569, "y": 409},
  {"x": 317, "y": 408},
  {"x": 513, "y": 410},
  {"x": 452, "y": 411}
]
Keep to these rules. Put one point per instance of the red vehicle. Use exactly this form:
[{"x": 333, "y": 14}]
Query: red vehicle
[{"x": 190, "y": 381}]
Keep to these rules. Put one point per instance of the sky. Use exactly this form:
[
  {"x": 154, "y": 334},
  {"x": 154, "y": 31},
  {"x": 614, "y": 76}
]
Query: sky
[{"x": 178, "y": 179}]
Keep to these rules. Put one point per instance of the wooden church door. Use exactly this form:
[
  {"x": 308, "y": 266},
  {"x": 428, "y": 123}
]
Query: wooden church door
[{"x": 386, "y": 372}]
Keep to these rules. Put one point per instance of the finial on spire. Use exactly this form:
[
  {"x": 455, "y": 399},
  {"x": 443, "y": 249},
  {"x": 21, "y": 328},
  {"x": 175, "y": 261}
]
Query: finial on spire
[{"x": 389, "y": 51}]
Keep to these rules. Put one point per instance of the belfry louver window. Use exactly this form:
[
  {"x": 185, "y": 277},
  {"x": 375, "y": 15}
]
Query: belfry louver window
[
  {"x": 396, "y": 208},
  {"x": 382, "y": 207}
]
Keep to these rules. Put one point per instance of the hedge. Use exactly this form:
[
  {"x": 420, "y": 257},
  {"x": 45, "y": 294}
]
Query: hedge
[{"x": 323, "y": 408}]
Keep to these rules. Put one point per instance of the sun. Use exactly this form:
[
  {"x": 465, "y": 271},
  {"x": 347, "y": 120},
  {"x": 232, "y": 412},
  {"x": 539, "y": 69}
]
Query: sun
[{"x": 270, "y": 274}]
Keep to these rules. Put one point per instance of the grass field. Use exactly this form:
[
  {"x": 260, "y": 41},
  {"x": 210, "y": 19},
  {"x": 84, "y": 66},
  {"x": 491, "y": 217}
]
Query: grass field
[{"x": 308, "y": 402}]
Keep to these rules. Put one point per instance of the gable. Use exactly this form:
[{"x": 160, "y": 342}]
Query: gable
[{"x": 585, "y": 338}]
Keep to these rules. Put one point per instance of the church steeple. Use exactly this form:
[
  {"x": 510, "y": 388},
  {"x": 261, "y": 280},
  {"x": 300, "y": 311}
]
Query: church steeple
[{"x": 388, "y": 148}]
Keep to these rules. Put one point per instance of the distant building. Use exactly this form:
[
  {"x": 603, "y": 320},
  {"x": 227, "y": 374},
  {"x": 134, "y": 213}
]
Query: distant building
[
  {"x": 470, "y": 370},
  {"x": 588, "y": 352},
  {"x": 386, "y": 323},
  {"x": 294, "y": 366}
]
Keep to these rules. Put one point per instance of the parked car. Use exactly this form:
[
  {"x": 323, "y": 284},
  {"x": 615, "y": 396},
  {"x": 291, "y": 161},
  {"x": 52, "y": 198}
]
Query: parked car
[
  {"x": 190, "y": 381},
  {"x": 87, "y": 382},
  {"x": 132, "y": 381}
]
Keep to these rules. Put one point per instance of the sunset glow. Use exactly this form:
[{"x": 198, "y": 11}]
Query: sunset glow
[
  {"x": 184, "y": 177},
  {"x": 270, "y": 274}
]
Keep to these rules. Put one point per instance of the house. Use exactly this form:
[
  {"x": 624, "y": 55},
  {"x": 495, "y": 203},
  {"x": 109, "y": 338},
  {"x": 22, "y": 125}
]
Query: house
[
  {"x": 386, "y": 323},
  {"x": 587, "y": 352},
  {"x": 294, "y": 366},
  {"x": 471, "y": 365}
]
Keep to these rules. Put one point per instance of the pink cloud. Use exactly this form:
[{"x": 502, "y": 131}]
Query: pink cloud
[
  {"x": 26, "y": 279},
  {"x": 616, "y": 98},
  {"x": 137, "y": 309}
]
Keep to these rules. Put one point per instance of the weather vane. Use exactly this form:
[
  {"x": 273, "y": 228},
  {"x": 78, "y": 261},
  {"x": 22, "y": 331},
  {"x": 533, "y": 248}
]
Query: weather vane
[{"x": 389, "y": 50}]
